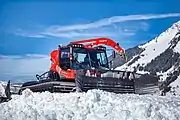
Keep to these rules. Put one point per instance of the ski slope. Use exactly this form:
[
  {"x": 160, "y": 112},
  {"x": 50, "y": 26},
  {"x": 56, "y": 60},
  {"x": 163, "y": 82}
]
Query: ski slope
[{"x": 93, "y": 105}]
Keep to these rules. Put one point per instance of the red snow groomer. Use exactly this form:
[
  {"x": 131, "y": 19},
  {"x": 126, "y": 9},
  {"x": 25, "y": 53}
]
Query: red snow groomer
[{"x": 83, "y": 65}]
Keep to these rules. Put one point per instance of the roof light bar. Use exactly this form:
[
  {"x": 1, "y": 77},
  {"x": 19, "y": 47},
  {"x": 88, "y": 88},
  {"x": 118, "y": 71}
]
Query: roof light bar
[{"x": 77, "y": 45}]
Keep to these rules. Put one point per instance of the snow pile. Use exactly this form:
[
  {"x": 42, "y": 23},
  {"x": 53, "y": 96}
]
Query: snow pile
[
  {"x": 176, "y": 86},
  {"x": 93, "y": 105},
  {"x": 2, "y": 90}
]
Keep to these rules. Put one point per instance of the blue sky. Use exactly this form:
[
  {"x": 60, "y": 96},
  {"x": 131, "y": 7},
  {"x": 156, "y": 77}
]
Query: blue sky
[{"x": 31, "y": 29}]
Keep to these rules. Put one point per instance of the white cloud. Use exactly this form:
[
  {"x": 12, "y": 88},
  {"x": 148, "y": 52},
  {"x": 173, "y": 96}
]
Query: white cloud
[
  {"x": 36, "y": 56},
  {"x": 37, "y": 36},
  {"x": 23, "y": 68},
  {"x": 66, "y": 34},
  {"x": 23, "y": 33},
  {"x": 31, "y": 35},
  {"x": 95, "y": 29},
  {"x": 80, "y": 30},
  {"x": 10, "y": 57},
  {"x": 77, "y": 34},
  {"x": 111, "y": 20}
]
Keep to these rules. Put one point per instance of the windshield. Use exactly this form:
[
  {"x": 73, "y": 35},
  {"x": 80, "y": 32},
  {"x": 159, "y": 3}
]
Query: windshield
[{"x": 84, "y": 58}]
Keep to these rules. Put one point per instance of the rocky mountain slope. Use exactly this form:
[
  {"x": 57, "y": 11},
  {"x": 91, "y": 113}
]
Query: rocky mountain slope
[
  {"x": 130, "y": 52},
  {"x": 160, "y": 56}
]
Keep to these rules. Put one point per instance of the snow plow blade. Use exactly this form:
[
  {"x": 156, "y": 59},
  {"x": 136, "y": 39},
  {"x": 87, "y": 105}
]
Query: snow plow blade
[
  {"x": 115, "y": 81},
  {"x": 146, "y": 84},
  {"x": 107, "y": 80},
  {"x": 110, "y": 81}
]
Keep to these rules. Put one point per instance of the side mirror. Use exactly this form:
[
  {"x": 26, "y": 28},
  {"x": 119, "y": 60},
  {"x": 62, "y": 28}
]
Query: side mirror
[{"x": 114, "y": 54}]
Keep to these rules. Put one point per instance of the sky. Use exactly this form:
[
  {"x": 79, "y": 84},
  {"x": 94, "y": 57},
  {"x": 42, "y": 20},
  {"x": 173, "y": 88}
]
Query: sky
[{"x": 30, "y": 30}]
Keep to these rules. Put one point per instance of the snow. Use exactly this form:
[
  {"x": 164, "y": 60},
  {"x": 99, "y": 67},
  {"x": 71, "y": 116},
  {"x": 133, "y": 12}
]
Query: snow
[
  {"x": 164, "y": 75},
  {"x": 2, "y": 90},
  {"x": 93, "y": 105},
  {"x": 176, "y": 86}
]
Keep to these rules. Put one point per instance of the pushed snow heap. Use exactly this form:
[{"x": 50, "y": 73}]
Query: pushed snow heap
[
  {"x": 2, "y": 91},
  {"x": 93, "y": 105}
]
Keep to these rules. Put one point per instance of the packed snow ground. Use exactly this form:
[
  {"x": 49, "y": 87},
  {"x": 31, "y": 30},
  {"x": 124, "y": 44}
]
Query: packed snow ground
[{"x": 93, "y": 105}]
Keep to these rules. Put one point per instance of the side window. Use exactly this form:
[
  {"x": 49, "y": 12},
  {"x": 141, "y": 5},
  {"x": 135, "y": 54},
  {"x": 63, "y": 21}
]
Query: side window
[
  {"x": 65, "y": 54},
  {"x": 102, "y": 58},
  {"x": 64, "y": 60},
  {"x": 99, "y": 57}
]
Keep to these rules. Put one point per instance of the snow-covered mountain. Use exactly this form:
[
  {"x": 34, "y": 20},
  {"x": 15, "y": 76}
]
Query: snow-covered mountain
[{"x": 160, "y": 56}]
